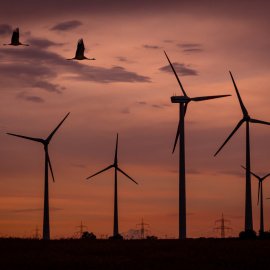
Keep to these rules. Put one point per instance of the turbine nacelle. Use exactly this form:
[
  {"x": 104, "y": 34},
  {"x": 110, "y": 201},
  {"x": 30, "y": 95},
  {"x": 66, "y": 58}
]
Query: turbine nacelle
[{"x": 180, "y": 99}]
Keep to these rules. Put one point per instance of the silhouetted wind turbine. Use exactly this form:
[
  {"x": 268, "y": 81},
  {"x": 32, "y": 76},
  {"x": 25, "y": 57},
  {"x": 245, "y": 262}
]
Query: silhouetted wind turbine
[
  {"x": 46, "y": 223},
  {"x": 260, "y": 193},
  {"x": 80, "y": 52},
  {"x": 183, "y": 102},
  {"x": 116, "y": 168},
  {"x": 15, "y": 38},
  {"x": 246, "y": 118}
]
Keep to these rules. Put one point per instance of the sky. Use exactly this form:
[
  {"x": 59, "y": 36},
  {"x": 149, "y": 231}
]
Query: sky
[{"x": 127, "y": 90}]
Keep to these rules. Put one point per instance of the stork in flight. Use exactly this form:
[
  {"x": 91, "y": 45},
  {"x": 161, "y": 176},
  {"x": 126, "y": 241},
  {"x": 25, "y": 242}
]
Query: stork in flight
[
  {"x": 80, "y": 52},
  {"x": 15, "y": 38}
]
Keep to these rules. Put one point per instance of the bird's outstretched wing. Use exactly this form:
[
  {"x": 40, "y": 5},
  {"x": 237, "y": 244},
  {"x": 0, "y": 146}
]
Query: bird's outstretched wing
[
  {"x": 80, "y": 49},
  {"x": 15, "y": 36}
]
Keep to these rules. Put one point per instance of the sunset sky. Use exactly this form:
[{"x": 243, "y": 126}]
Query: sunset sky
[{"x": 127, "y": 91}]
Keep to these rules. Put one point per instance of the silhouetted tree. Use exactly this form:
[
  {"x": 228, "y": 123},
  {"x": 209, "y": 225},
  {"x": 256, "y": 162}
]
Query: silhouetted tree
[
  {"x": 117, "y": 236},
  {"x": 87, "y": 235},
  {"x": 249, "y": 234},
  {"x": 152, "y": 237}
]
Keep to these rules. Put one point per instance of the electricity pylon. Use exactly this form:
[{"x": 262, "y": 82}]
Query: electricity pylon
[
  {"x": 142, "y": 230},
  {"x": 36, "y": 234},
  {"x": 81, "y": 229},
  {"x": 222, "y": 227}
]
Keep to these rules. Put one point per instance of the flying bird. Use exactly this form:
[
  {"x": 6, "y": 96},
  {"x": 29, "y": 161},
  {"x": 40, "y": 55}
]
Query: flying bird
[
  {"x": 80, "y": 52},
  {"x": 15, "y": 38}
]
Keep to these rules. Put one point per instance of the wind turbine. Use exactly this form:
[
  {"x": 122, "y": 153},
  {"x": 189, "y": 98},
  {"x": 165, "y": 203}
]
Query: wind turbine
[
  {"x": 116, "y": 168},
  {"x": 46, "y": 223},
  {"x": 183, "y": 103},
  {"x": 246, "y": 118},
  {"x": 260, "y": 193}
]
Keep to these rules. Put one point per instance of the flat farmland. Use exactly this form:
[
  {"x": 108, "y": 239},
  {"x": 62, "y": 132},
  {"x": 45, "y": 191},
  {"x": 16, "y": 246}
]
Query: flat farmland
[{"x": 134, "y": 254}]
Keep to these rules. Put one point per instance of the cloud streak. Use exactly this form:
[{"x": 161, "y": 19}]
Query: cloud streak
[
  {"x": 5, "y": 30},
  {"x": 151, "y": 47},
  {"x": 43, "y": 43},
  {"x": 66, "y": 26},
  {"x": 180, "y": 68},
  {"x": 35, "y": 99}
]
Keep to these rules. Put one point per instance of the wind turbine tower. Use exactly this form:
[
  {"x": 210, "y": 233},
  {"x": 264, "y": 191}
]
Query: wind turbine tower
[
  {"x": 183, "y": 103},
  {"x": 46, "y": 222},
  {"x": 116, "y": 168},
  {"x": 246, "y": 118},
  {"x": 260, "y": 195}
]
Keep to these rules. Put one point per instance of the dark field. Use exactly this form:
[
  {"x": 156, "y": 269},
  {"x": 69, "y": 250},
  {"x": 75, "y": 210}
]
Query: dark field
[{"x": 135, "y": 254}]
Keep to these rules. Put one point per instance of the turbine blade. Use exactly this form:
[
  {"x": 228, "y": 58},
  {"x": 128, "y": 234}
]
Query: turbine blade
[
  {"x": 51, "y": 135},
  {"x": 258, "y": 177},
  {"x": 176, "y": 75},
  {"x": 176, "y": 138},
  {"x": 49, "y": 162},
  {"x": 101, "y": 171},
  {"x": 258, "y": 121},
  {"x": 237, "y": 127},
  {"x": 116, "y": 149},
  {"x": 178, "y": 129},
  {"x": 208, "y": 97},
  {"x": 28, "y": 138},
  {"x": 259, "y": 189},
  {"x": 265, "y": 176},
  {"x": 244, "y": 110},
  {"x": 126, "y": 175}
]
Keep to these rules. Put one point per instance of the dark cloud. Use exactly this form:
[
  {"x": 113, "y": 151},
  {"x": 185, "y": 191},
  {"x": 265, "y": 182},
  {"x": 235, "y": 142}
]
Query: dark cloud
[
  {"x": 24, "y": 96},
  {"x": 125, "y": 111},
  {"x": 65, "y": 26},
  {"x": 157, "y": 106},
  {"x": 168, "y": 41},
  {"x": 188, "y": 45},
  {"x": 52, "y": 209},
  {"x": 142, "y": 102},
  {"x": 124, "y": 59},
  {"x": 151, "y": 47},
  {"x": 47, "y": 86},
  {"x": 181, "y": 69},
  {"x": 193, "y": 50},
  {"x": 79, "y": 166},
  {"x": 37, "y": 68},
  {"x": 205, "y": 9},
  {"x": 43, "y": 43},
  {"x": 5, "y": 30},
  {"x": 189, "y": 171},
  {"x": 235, "y": 173},
  {"x": 193, "y": 171}
]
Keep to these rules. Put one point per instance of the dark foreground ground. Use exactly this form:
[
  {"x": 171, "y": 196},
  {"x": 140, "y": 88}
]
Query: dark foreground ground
[{"x": 135, "y": 254}]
